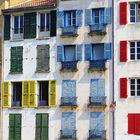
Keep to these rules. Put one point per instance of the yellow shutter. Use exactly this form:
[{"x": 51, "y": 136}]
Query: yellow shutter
[
  {"x": 32, "y": 93},
  {"x": 25, "y": 93},
  {"x": 5, "y": 94},
  {"x": 52, "y": 93}
]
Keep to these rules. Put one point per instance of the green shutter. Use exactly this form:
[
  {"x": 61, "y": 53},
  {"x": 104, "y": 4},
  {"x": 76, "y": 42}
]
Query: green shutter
[
  {"x": 6, "y": 27},
  {"x": 11, "y": 127},
  {"x": 19, "y": 58},
  {"x": 29, "y": 25}
]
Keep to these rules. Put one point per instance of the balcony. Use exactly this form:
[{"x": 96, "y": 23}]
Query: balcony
[
  {"x": 69, "y": 66},
  {"x": 68, "y": 102},
  {"x": 97, "y": 135},
  {"x": 97, "y": 65},
  {"x": 16, "y": 104},
  {"x": 68, "y": 134},
  {"x": 97, "y": 29},
  {"x": 97, "y": 101},
  {"x": 69, "y": 31},
  {"x": 17, "y": 33}
]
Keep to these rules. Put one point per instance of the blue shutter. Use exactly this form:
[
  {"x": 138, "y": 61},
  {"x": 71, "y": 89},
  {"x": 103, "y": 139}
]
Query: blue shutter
[
  {"x": 79, "y": 52},
  {"x": 65, "y": 120},
  {"x": 94, "y": 87},
  {"x": 108, "y": 15},
  {"x": 88, "y": 52},
  {"x": 107, "y": 51},
  {"x": 79, "y": 17},
  {"x": 101, "y": 87},
  {"x": 103, "y": 16},
  {"x": 72, "y": 120},
  {"x": 88, "y": 17},
  {"x": 60, "y": 53},
  {"x": 60, "y": 19}
]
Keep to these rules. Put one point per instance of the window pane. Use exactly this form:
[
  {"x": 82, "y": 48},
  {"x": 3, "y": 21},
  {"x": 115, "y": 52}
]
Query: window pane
[
  {"x": 47, "y": 22},
  {"x": 132, "y": 93},
  {"x": 132, "y": 87},
  {"x": 132, "y": 44},
  {"x": 98, "y": 52},
  {"x": 138, "y": 93},
  {"x": 69, "y": 53},
  {"x": 16, "y": 20},
  {"x": 132, "y": 81},
  {"x": 132, "y": 6},
  {"x": 132, "y": 57},
  {"x": 132, "y": 50},
  {"x": 42, "y": 22},
  {"x": 74, "y": 18},
  {"x": 21, "y": 24}
]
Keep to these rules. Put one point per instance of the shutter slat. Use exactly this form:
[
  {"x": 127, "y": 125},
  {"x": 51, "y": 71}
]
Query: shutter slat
[
  {"x": 88, "y": 52},
  {"x": 11, "y": 126},
  {"x": 108, "y": 15},
  {"x": 38, "y": 126},
  {"x": 60, "y": 19},
  {"x": 123, "y": 87},
  {"x": 79, "y": 52},
  {"x": 123, "y": 51},
  {"x": 59, "y": 53},
  {"x": 17, "y": 126},
  {"x": 79, "y": 17},
  {"x": 88, "y": 17},
  {"x": 107, "y": 51},
  {"x": 123, "y": 13}
]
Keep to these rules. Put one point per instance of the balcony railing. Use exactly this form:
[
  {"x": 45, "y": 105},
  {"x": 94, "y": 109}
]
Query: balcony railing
[
  {"x": 97, "y": 65},
  {"x": 98, "y": 29},
  {"x": 16, "y": 104},
  {"x": 69, "y": 101},
  {"x": 17, "y": 33},
  {"x": 43, "y": 103},
  {"x": 69, "y": 31},
  {"x": 97, "y": 101},
  {"x": 97, "y": 134},
  {"x": 68, "y": 134},
  {"x": 69, "y": 66}
]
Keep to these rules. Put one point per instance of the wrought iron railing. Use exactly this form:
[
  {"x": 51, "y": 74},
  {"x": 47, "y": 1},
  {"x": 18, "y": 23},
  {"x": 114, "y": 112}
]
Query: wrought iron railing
[
  {"x": 68, "y": 101},
  {"x": 97, "y": 64},
  {"x": 43, "y": 103},
  {"x": 69, "y": 65},
  {"x": 97, "y": 134},
  {"x": 16, "y": 104},
  {"x": 68, "y": 134},
  {"x": 97, "y": 101},
  {"x": 70, "y": 30}
]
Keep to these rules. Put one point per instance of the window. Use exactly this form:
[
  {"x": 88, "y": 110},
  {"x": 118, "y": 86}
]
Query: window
[
  {"x": 42, "y": 126},
  {"x": 134, "y": 12},
  {"x": 134, "y": 50},
  {"x": 135, "y": 87},
  {"x": 15, "y": 122},
  {"x": 98, "y": 16},
  {"x": 17, "y": 94}
]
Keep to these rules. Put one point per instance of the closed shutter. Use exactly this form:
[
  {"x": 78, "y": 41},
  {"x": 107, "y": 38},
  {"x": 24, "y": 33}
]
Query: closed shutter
[
  {"x": 79, "y": 17},
  {"x": 65, "y": 120},
  {"x": 101, "y": 87},
  {"x": 123, "y": 51},
  {"x": 131, "y": 123},
  {"x": 108, "y": 15},
  {"x": 60, "y": 19},
  {"x": 107, "y": 51},
  {"x": 5, "y": 94},
  {"x": 38, "y": 127},
  {"x": 123, "y": 87},
  {"x": 29, "y": 25},
  {"x": 88, "y": 52},
  {"x": 123, "y": 13},
  {"x": 11, "y": 126},
  {"x": 52, "y": 93},
  {"x": 60, "y": 53},
  {"x": 53, "y": 24},
  {"x": 79, "y": 52},
  {"x": 137, "y": 124},
  {"x": 94, "y": 87},
  {"x": 7, "y": 27},
  {"x": 72, "y": 120},
  {"x": 88, "y": 17}
]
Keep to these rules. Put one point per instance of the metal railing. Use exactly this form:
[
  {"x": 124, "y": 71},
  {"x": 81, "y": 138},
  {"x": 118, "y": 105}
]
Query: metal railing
[
  {"x": 68, "y": 101},
  {"x": 98, "y": 28},
  {"x": 97, "y": 134},
  {"x": 69, "y": 65},
  {"x": 97, "y": 64},
  {"x": 16, "y": 104},
  {"x": 70, "y": 30},
  {"x": 97, "y": 101},
  {"x": 68, "y": 134}
]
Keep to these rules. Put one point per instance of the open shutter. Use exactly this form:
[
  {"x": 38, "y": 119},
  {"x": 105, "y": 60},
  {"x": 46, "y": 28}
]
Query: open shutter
[
  {"x": 32, "y": 93},
  {"x": 107, "y": 51},
  {"x": 52, "y": 93},
  {"x": 88, "y": 52},
  {"x": 38, "y": 127},
  {"x": 123, "y": 13},
  {"x": 7, "y": 27},
  {"x": 108, "y": 15},
  {"x": 101, "y": 87},
  {"x": 123, "y": 87},
  {"x": 137, "y": 124},
  {"x": 79, "y": 52},
  {"x": 79, "y": 17},
  {"x": 5, "y": 94},
  {"x": 131, "y": 123},
  {"x": 17, "y": 127},
  {"x": 11, "y": 126},
  {"x": 60, "y": 19},
  {"x": 25, "y": 94},
  {"x": 123, "y": 51},
  {"x": 60, "y": 50},
  {"x": 88, "y": 17},
  {"x": 53, "y": 24}
]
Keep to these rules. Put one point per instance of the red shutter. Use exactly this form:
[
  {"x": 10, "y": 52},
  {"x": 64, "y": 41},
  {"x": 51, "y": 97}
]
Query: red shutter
[
  {"x": 123, "y": 13},
  {"x": 131, "y": 123},
  {"x": 123, "y": 51},
  {"x": 123, "y": 87},
  {"x": 137, "y": 124}
]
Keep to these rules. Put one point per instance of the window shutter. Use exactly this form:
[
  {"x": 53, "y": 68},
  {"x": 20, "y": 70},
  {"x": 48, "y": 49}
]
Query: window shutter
[
  {"x": 79, "y": 17},
  {"x": 123, "y": 51},
  {"x": 5, "y": 94},
  {"x": 25, "y": 98},
  {"x": 60, "y": 50},
  {"x": 123, "y": 13},
  {"x": 29, "y": 25},
  {"x": 7, "y": 27},
  {"x": 60, "y": 19},
  {"x": 88, "y": 17},
  {"x": 137, "y": 124},
  {"x": 88, "y": 52},
  {"x": 53, "y": 24},
  {"x": 65, "y": 120},
  {"x": 107, "y": 51},
  {"x": 123, "y": 87},
  {"x": 38, "y": 127},
  {"x": 101, "y": 87},
  {"x": 52, "y": 93},
  {"x": 11, "y": 126},
  {"x": 94, "y": 87},
  {"x": 73, "y": 120},
  {"x": 108, "y": 15},
  {"x": 131, "y": 123},
  {"x": 79, "y": 52},
  {"x": 32, "y": 93}
]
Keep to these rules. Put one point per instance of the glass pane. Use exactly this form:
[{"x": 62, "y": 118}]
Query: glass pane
[
  {"x": 132, "y": 93},
  {"x": 132, "y": 81},
  {"x": 98, "y": 52},
  {"x": 69, "y": 53},
  {"x": 16, "y": 22},
  {"x": 132, "y": 19},
  {"x": 138, "y": 93},
  {"x": 21, "y": 24},
  {"x": 132, "y": 44},
  {"x": 74, "y": 18},
  {"x": 132, "y": 87},
  {"x": 132, "y": 57},
  {"x": 132, "y": 50},
  {"x": 47, "y": 22},
  {"x": 132, "y": 6},
  {"x": 42, "y": 22}
]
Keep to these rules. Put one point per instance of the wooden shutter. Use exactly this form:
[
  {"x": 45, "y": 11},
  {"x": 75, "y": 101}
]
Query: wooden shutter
[
  {"x": 123, "y": 13},
  {"x": 52, "y": 93},
  {"x": 131, "y": 123},
  {"x": 137, "y": 124},
  {"x": 65, "y": 120},
  {"x": 5, "y": 94},
  {"x": 38, "y": 127},
  {"x": 101, "y": 87},
  {"x": 108, "y": 15},
  {"x": 60, "y": 51},
  {"x": 79, "y": 52},
  {"x": 79, "y": 17},
  {"x": 123, "y": 87},
  {"x": 60, "y": 19},
  {"x": 53, "y": 23},
  {"x": 88, "y": 17},
  {"x": 123, "y": 51},
  {"x": 88, "y": 52},
  {"x": 94, "y": 87},
  {"x": 11, "y": 126},
  {"x": 7, "y": 27},
  {"x": 107, "y": 51},
  {"x": 72, "y": 120}
]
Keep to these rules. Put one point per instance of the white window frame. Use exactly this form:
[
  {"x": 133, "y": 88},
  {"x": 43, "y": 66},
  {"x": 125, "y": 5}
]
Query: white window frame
[{"x": 71, "y": 19}]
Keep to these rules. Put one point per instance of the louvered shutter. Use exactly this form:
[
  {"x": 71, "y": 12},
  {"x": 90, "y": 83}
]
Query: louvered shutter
[
  {"x": 38, "y": 127},
  {"x": 72, "y": 120},
  {"x": 17, "y": 127},
  {"x": 88, "y": 52},
  {"x": 79, "y": 52},
  {"x": 123, "y": 87},
  {"x": 53, "y": 23},
  {"x": 108, "y": 15},
  {"x": 137, "y": 124},
  {"x": 88, "y": 17},
  {"x": 131, "y": 123},
  {"x": 94, "y": 87},
  {"x": 5, "y": 94},
  {"x": 7, "y": 27},
  {"x": 65, "y": 120},
  {"x": 60, "y": 53},
  {"x": 79, "y": 17},
  {"x": 123, "y": 13},
  {"x": 107, "y": 51},
  {"x": 101, "y": 87},
  {"x": 60, "y": 19},
  {"x": 52, "y": 93},
  {"x": 123, "y": 51},
  {"x": 11, "y": 126}
]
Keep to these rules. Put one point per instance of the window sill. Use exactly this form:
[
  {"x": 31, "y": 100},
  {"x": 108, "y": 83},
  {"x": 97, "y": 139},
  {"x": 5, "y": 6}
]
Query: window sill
[
  {"x": 43, "y": 38},
  {"x": 16, "y": 40},
  {"x": 42, "y": 107},
  {"x": 42, "y": 71},
  {"x": 17, "y": 108},
  {"x": 68, "y": 70},
  {"x": 12, "y": 73},
  {"x": 138, "y": 60},
  {"x": 97, "y": 33},
  {"x": 96, "y": 69},
  {"x": 70, "y": 35}
]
